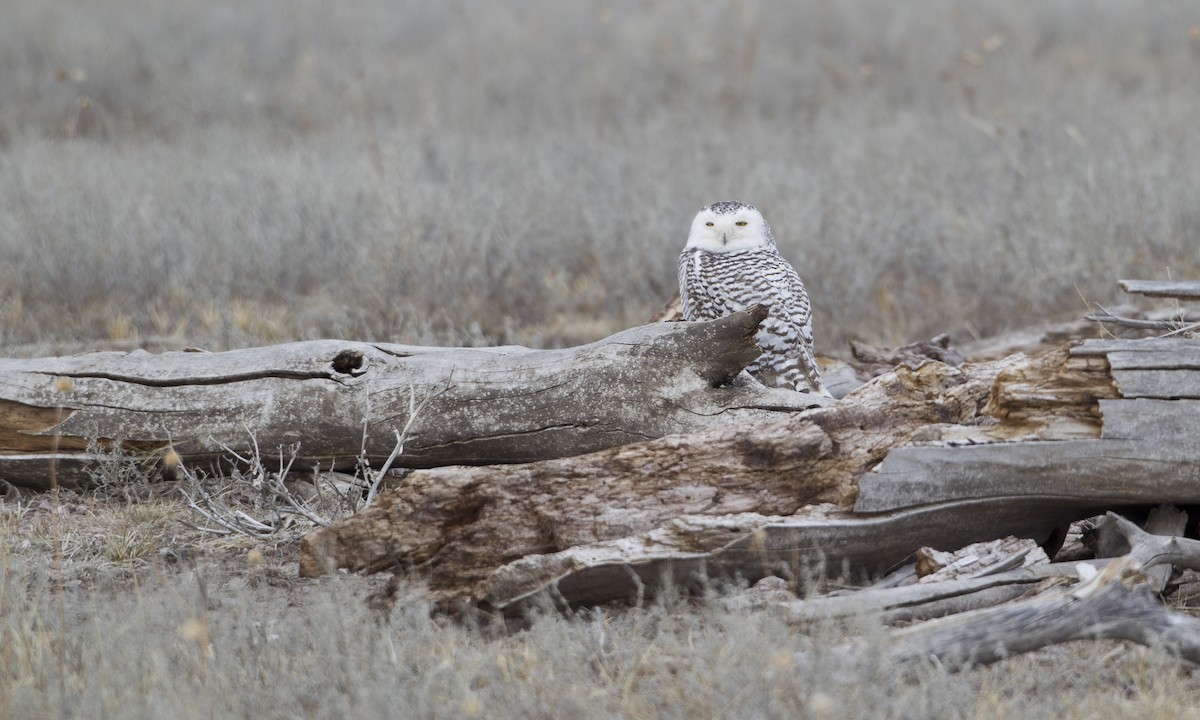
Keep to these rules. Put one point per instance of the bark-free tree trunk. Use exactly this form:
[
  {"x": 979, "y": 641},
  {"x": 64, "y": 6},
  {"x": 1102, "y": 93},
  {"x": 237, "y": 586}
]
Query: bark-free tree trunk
[
  {"x": 1016, "y": 447},
  {"x": 464, "y": 526},
  {"x": 335, "y": 400}
]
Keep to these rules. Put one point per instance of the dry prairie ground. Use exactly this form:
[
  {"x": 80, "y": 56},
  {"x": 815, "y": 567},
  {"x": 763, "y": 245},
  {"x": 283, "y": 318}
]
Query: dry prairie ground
[
  {"x": 224, "y": 175},
  {"x": 526, "y": 172},
  {"x": 120, "y": 611}
]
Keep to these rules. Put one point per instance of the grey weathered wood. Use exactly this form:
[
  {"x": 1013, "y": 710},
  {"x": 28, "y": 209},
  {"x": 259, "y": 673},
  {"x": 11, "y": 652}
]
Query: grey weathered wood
[
  {"x": 1180, "y": 289},
  {"x": 462, "y": 523},
  {"x": 1162, "y": 325},
  {"x": 978, "y": 559},
  {"x": 819, "y": 542},
  {"x": 1169, "y": 521},
  {"x": 1167, "y": 421},
  {"x": 981, "y": 637},
  {"x": 1101, "y": 348},
  {"x": 336, "y": 399},
  {"x": 1115, "y": 603},
  {"x": 1105, "y": 473},
  {"x": 1160, "y": 356},
  {"x": 925, "y": 601},
  {"x": 1112, "y": 539},
  {"x": 1149, "y": 549},
  {"x": 1158, "y": 383},
  {"x": 522, "y": 534}
]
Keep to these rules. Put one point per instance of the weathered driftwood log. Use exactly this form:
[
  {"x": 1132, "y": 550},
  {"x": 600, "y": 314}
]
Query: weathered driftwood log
[
  {"x": 462, "y": 526},
  {"x": 1112, "y": 606},
  {"x": 820, "y": 541},
  {"x": 1147, "y": 453},
  {"x": 873, "y": 361},
  {"x": 335, "y": 400},
  {"x": 986, "y": 587},
  {"x": 1116, "y": 602},
  {"x": 910, "y": 603},
  {"x": 724, "y": 504},
  {"x": 1111, "y": 539}
]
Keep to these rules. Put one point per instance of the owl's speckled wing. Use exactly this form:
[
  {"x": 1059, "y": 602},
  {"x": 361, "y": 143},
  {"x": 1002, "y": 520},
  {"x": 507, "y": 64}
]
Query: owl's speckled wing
[{"x": 713, "y": 285}]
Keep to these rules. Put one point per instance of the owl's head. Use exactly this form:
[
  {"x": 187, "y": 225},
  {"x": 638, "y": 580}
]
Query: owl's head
[{"x": 729, "y": 227}]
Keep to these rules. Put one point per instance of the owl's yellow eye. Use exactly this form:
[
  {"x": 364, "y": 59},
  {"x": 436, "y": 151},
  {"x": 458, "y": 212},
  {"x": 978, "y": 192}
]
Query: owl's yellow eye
[
  {"x": 740, "y": 223},
  {"x": 709, "y": 223}
]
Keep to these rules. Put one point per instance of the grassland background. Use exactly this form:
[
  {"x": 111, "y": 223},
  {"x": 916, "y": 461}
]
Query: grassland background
[
  {"x": 231, "y": 174},
  {"x": 227, "y": 174}
]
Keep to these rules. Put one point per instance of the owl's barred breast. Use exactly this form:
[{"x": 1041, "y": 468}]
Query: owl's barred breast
[{"x": 713, "y": 285}]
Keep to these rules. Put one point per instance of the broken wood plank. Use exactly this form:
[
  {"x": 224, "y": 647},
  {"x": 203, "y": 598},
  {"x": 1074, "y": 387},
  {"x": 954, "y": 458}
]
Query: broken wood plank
[
  {"x": 1110, "y": 473},
  {"x": 1183, "y": 384},
  {"x": 1159, "y": 356},
  {"x": 1175, "y": 321},
  {"x": 1167, "y": 421},
  {"x": 1151, "y": 367},
  {"x": 1101, "y": 348},
  {"x": 977, "y": 559},
  {"x": 1178, "y": 289},
  {"x": 1051, "y": 397}
]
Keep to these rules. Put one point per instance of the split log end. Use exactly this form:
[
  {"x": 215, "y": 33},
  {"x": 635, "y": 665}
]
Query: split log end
[{"x": 720, "y": 349}]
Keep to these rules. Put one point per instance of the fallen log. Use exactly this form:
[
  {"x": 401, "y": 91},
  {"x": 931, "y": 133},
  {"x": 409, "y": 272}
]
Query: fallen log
[
  {"x": 460, "y": 524},
  {"x": 1112, "y": 539},
  {"x": 336, "y": 401},
  {"x": 642, "y": 458},
  {"x": 698, "y": 551},
  {"x": 1116, "y": 602},
  {"x": 1146, "y": 452},
  {"x": 911, "y": 603},
  {"x": 1019, "y": 446}
]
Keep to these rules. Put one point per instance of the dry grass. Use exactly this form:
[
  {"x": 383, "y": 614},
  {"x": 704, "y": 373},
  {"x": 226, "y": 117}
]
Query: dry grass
[
  {"x": 227, "y": 634},
  {"x": 484, "y": 172},
  {"x": 468, "y": 172}
]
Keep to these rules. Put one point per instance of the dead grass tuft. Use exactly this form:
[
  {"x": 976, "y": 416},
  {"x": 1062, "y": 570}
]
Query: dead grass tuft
[{"x": 375, "y": 171}]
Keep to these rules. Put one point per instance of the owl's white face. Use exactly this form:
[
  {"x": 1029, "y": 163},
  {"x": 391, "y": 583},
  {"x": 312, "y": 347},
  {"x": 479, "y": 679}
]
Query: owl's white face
[{"x": 729, "y": 227}]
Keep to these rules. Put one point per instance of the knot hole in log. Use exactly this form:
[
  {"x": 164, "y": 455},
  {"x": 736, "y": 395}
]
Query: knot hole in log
[{"x": 349, "y": 362}]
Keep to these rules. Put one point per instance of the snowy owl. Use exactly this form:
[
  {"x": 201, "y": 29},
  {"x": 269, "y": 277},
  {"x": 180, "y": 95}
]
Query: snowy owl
[{"x": 730, "y": 263}]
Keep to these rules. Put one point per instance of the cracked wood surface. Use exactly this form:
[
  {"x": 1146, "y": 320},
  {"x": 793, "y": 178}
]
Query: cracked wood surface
[
  {"x": 823, "y": 540},
  {"x": 459, "y": 525},
  {"x": 1145, "y": 451},
  {"x": 495, "y": 405},
  {"x": 935, "y": 456},
  {"x": 1117, "y": 602}
]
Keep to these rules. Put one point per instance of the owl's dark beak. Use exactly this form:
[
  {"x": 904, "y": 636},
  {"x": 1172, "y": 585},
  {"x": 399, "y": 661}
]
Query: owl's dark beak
[{"x": 724, "y": 238}]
